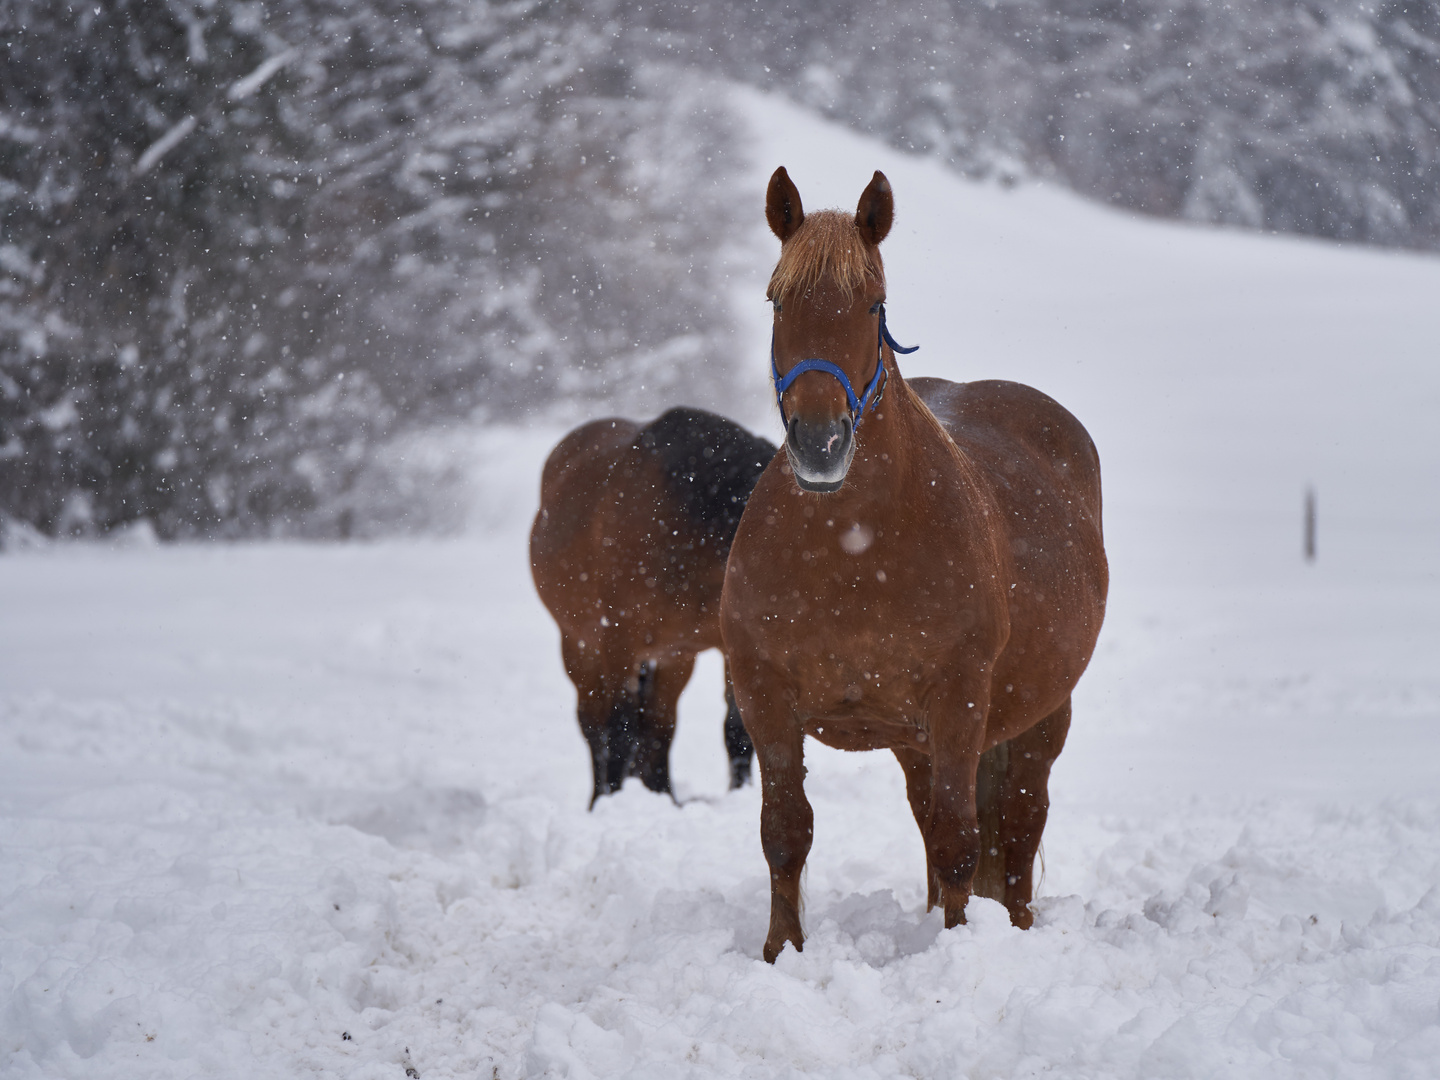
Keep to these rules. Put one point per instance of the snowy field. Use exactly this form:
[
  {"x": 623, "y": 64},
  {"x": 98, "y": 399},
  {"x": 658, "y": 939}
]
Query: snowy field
[{"x": 303, "y": 810}]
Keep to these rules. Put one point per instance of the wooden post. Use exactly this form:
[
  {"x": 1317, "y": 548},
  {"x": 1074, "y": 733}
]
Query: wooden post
[{"x": 1309, "y": 524}]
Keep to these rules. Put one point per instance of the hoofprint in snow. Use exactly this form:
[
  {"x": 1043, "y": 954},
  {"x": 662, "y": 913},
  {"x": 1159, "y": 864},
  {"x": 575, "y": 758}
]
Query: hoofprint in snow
[{"x": 309, "y": 810}]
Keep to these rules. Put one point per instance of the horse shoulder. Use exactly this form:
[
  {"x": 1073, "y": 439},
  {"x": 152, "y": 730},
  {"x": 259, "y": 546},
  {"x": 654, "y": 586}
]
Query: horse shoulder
[{"x": 762, "y": 537}]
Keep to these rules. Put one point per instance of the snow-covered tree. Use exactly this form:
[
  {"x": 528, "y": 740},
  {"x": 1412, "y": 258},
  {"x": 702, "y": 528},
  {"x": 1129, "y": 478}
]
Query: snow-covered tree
[
  {"x": 246, "y": 243},
  {"x": 1310, "y": 116}
]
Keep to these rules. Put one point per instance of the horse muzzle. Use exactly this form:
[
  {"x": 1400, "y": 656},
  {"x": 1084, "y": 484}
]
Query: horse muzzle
[{"x": 820, "y": 453}]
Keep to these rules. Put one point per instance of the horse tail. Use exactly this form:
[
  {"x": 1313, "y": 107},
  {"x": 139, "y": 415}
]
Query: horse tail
[
  {"x": 737, "y": 740},
  {"x": 989, "y": 785}
]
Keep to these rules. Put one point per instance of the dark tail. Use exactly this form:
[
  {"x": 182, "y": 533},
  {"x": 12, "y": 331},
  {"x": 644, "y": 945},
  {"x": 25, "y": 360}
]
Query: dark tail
[{"x": 737, "y": 740}]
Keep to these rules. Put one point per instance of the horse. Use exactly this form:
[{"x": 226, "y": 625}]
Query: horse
[
  {"x": 628, "y": 555},
  {"x": 923, "y": 570}
]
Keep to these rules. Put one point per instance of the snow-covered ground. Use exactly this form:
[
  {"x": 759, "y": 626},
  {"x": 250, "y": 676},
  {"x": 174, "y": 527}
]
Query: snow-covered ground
[{"x": 293, "y": 810}]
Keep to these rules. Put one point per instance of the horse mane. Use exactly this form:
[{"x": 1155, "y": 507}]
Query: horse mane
[{"x": 827, "y": 244}]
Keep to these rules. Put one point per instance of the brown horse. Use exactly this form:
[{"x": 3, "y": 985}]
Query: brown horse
[
  {"x": 931, "y": 581},
  {"x": 628, "y": 554}
]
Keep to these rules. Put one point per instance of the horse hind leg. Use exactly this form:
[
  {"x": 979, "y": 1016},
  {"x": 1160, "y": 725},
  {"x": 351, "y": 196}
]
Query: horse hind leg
[
  {"x": 1024, "y": 805},
  {"x": 737, "y": 740},
  {"x": 658, "y": 697},
  {"x": 597, "y": 737},
  {"x": 990, "y": 783},
  {"x": 989, "y": 880},
  {"x": 599, "y": 709},
  {"x": 608, "y": 719},
  {"x": 622, "y": 728}
]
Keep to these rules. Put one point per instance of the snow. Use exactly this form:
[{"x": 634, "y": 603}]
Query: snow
[{"x": 285, "y": 809}]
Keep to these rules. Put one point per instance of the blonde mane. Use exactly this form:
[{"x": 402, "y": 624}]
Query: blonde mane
[{"x": 827, "y": 244}]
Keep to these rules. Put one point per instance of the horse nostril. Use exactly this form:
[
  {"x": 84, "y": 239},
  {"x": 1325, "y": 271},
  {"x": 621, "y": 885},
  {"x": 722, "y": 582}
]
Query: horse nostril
[
  {"x": 826, "y": 438},
  {"x": 820, "y": 451}
]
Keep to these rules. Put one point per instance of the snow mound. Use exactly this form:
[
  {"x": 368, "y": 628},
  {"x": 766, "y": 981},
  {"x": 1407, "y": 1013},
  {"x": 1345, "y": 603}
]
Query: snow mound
[{"x": 277, "y": 810}]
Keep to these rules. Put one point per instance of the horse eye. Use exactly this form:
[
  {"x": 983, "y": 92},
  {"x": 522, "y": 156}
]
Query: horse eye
[
  {"x": 875, "y": 307},
  {"x": 777, "y": 305}
]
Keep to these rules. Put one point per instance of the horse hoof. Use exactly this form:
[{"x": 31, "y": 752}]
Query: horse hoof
[
  {"x": 955, "y": 913},
  {"x": 774, "y": 949}
]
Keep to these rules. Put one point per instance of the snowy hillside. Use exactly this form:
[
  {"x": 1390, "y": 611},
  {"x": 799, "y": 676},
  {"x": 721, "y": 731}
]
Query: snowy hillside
[{"x": 294, "y": 810}]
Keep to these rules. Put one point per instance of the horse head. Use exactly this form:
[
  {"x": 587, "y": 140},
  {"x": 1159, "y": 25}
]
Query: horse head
[{"x": 828, "y": 294}]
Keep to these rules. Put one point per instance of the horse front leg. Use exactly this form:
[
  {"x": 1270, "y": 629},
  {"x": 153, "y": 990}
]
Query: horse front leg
[
  {"x": 918, "y": 778},
  {"x": 786, "y": 819},
  {"x": 787, "y": 826},
  {"x": 957, "y": 731}
]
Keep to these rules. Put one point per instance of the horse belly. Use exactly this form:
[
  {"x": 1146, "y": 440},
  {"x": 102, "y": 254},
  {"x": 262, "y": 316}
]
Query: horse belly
[
  {"x": 861, "y": 692},
  {"x": 1056, "y": 610},
  {"x": 1043, "y": 472},
  {"x": 866, "y": 730}
]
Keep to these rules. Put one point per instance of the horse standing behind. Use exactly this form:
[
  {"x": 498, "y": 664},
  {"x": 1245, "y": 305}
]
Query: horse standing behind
[
  {"x": 932, "y": 582},
  {"x": 628, "y": 554}
]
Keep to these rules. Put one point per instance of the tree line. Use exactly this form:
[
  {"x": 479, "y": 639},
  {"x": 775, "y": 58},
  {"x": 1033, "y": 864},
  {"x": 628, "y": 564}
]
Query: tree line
[{"x": 245, "y": 245}]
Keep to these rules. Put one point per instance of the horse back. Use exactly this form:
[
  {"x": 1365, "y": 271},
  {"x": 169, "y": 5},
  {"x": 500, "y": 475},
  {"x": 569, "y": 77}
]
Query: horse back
[
  {"x": 1018, "y": 435},
  {"x": 635, "y": 524}
]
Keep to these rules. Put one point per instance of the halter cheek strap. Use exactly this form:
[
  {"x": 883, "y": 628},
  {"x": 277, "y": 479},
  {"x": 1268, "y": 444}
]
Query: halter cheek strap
[{"x": 860, "y": 405}]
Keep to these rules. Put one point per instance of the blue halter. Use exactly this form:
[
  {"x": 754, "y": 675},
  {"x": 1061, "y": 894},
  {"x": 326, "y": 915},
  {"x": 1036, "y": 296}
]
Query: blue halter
[{"x": 859, "y": 406}]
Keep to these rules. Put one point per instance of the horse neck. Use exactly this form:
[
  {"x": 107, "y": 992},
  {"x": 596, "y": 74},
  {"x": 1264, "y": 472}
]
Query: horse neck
[{"x": 898, "y": 433}]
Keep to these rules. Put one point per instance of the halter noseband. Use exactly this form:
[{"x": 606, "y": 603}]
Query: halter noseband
[{"x": 859, "y": 406}]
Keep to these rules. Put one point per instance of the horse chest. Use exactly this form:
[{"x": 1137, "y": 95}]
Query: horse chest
[{"x": 843, "y": 625}]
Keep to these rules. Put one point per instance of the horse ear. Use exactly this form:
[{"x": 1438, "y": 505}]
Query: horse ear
[
  {"x": 782, "y": 205},
  {"x": 876, "y": 212}
]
